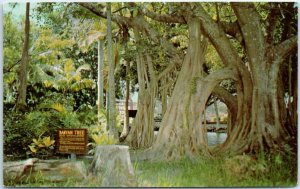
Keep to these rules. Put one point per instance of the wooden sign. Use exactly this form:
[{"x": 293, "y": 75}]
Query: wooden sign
[{"x": 72, "y": 141}]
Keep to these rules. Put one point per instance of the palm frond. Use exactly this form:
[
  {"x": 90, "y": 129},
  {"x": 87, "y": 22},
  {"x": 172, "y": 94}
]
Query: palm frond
[
  {"x": 39, "y": 73},
  {"x": 82, "y": 84},
  {"x": 47, "y": 83},
  {"x": 61, "y": 83},
  {"x": 58, "y": 107},
  {"x": 83, "y": 67},
  {"x": 55, "y": 106},
  {"x": 77, "y": 75},
  {"x": 69, "y": 66},
  {"x": 44, "y": 73}
]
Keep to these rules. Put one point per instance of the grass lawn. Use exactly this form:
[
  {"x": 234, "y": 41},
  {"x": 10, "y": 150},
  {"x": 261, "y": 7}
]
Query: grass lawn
[
  {"x": 212, "y": 173},
  {"x": 241, "y": 171}
]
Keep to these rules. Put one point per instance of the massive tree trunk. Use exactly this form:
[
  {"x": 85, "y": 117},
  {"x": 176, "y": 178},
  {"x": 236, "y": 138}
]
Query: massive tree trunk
[
  {"x": 267, "y": 121},
  {"x": 257, "y": 122},
  {"x": 181, "y": 131},
  {"x": 260, "y": 125},
  {"x": 21, "y": 101},
  {"x": 142, "y": 132}
]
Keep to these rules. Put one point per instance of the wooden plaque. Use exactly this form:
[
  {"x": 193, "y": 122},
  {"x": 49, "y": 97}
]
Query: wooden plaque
[{"x": 72, "y": 141}]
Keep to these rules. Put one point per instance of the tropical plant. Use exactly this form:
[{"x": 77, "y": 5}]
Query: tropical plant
[
  {"x": 41, "y": 145},
  {"x": 100, "y": 136},
  {"x": 99, "y": 133},
  {"x": 12, "y": 41},
  {"x": 23, "y": 69},
  {"x": 65, "y": 78},
  {"x": 66, "y": 117},
  {"x": 16, "y": 135}
]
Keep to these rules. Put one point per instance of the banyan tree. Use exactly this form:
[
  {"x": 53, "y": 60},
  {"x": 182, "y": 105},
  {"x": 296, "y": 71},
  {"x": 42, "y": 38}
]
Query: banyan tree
[{"x": 257, "y": 44}]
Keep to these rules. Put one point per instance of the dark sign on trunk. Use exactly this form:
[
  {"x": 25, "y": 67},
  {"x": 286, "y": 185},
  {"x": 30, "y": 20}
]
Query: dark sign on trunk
[{"x": 72, "y": 141}]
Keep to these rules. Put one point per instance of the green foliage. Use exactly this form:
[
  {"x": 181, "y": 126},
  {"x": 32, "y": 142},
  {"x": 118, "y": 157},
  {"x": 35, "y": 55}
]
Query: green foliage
[
  {"x": 103, "y": 139},
  {"x": 12, "y": 40},
  {"x": 87, "y": 115},
  {"x": 20, "y": 129},
  {"x": 98, "y": 132},
  {"x": 16, "y": 136},
  {"x": 212, "y": 60},
  {"x": 42, "y": 122},
  {"x": 12, "y": 49},
  {"x": 100, "y": 136},
  {"x": 65, "y": 117},
  {"x": 53, "y": 100},
  {"x": 50, "y": 47},
  {"x": 64, "y": 78},
  {"x": 43, "y": 146},
  {"x": 70, "y": 120}
]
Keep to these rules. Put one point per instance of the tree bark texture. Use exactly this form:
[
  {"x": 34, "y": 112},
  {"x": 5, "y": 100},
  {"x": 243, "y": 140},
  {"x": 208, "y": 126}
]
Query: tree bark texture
[
  {"x": 142, "y": 131},
  {"x": 21, "y": 100},
  {"x": 111, "y": 80},
  {"x": 164, "y": 98},
  {"x": 100, "y": 77},
  {"x": 263, "y": 129},
  {"x": 181, "y": 131},
  {"x": 126, "y": 124}
]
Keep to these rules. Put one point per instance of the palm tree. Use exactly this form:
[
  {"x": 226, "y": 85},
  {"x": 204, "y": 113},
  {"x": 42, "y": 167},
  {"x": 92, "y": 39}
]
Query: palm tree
[
  {"x": 21, "y": 101},
  {"x": 64, "y": 78},
  {"x": 111, "y": 79},
  {"x": 98, "y": 33}
]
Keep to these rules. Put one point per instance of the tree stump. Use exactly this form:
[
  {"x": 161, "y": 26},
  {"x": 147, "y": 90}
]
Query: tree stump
[
  {"x": 48, "y": 170},
  {"x": 112, "y": 165}
]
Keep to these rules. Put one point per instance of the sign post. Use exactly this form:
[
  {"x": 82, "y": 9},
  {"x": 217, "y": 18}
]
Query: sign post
[{"x": 72, "y": 141}]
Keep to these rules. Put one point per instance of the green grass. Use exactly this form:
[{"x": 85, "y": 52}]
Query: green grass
[
  {"x": 272, "y": 171},
  {"x": 213, "y": 173}
]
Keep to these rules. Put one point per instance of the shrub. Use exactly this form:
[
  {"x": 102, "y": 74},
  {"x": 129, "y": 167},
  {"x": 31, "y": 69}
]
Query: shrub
[
  {"x": 42, "y": 146},
  {"x": 88, "y": 116},
  {"x": 16, "y": 135},
  {"x": 20, "y": 129}
]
